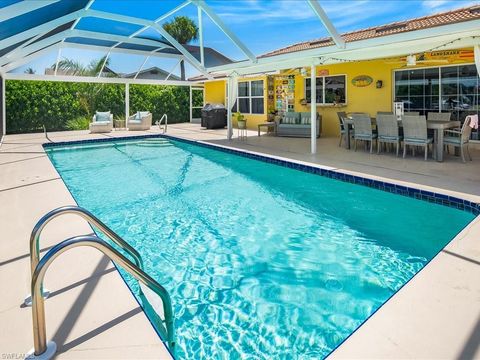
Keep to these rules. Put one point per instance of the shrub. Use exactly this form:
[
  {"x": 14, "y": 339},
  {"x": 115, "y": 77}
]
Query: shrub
[
  {"x": 65, "y": 105},
  {"x": 78, "y": 123}
]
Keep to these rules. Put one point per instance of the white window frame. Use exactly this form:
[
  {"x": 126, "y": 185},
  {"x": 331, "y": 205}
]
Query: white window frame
[
  {"x": 250, "y": 96},
  {"x": 323, "y": 89}
]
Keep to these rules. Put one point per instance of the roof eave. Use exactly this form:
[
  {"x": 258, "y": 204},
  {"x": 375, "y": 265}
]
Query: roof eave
[{"x": 400, "y": 44}]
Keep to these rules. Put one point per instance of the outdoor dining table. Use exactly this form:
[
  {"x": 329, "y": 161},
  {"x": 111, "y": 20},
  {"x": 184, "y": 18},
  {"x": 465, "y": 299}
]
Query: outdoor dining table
[{"x": 437, "y": 126}]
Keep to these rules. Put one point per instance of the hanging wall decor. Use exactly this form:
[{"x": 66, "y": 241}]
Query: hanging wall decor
[{"x": 362, "y": 80}]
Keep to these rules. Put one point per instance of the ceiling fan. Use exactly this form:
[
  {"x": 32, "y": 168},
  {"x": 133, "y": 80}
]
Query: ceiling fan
[{"x": 413, "y": 60}]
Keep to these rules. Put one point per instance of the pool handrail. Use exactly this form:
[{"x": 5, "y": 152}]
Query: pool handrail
[
  {"x": 91, "y": 219},
  {"x": 164, "y": 116},
  {"x": 38, "y": 302}
]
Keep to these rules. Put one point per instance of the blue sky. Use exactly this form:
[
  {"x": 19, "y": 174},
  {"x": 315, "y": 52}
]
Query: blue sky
[{"x": 263, "y": 25}]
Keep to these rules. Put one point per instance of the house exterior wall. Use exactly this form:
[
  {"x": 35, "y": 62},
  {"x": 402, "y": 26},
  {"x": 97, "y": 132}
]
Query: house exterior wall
[{"x": 368, "y": 99}]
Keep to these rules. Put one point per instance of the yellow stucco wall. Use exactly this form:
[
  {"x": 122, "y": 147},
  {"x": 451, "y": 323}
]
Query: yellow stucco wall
[
  {"x": 215, "y": 93},
  {"x": 367, "y": 99}
]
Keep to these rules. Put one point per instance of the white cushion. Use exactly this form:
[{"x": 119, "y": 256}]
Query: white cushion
[
  {"x": 141, "y": 114},
  {"x": 102, "y": 116}
]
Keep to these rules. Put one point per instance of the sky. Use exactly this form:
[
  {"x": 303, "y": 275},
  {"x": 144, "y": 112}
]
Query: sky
[{"x": 262, "y": 25}]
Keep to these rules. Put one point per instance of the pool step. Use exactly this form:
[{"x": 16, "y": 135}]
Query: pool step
[{"x": 155, "y": 142}]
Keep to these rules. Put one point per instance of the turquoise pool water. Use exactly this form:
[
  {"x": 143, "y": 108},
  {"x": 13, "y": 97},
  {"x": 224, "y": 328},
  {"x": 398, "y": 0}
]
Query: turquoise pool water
[{"x": 261, "y": 261}]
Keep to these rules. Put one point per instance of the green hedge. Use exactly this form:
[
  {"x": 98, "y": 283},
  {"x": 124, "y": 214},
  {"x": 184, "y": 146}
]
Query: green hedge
[
  {"x": 158, "y": 99},
  {"x": 63, "y": 105}
]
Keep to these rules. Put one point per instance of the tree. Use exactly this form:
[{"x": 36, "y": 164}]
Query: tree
[
  {"x": 184, "y": 30},
  {"x": 29, "y": 71},
  {"x": 87, "y": 95},
  {"x": 73, "y": 67}
]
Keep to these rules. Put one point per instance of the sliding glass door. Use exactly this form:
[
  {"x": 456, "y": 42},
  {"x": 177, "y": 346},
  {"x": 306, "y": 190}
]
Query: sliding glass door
[{"x": 452, "y": 89}]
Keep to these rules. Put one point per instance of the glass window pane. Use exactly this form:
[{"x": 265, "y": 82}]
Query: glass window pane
[
  {"x": 417, "y": 102},
  {"x": 450, "y": 103},
  {"x": 449, "y": 80},
  {"x": 335, "y": 89},
  {"x": 243, "y": 88},
  {"x": 257, "y": 88},
  {"x": 467, "y": 79},
  {"x": 431, "y": 81},
  {"x": 257, "y": 106},
  {"x": 416, "y": 82},
  {"x": 244, "y": 105},
  {"x": 401, "y": 83},
  {"x": 308, "y": 95}
]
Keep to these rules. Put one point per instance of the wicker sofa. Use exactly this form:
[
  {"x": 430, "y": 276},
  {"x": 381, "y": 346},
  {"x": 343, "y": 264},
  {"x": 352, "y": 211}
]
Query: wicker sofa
[
  {"x": 297, "y": 124},
  {"x": 142, "y": 120},
  {"x": 102, "y": 122}
]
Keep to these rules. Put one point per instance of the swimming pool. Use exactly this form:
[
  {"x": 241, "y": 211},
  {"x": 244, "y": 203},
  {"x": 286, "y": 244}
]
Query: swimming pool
[{"x": 261, "y": 261}]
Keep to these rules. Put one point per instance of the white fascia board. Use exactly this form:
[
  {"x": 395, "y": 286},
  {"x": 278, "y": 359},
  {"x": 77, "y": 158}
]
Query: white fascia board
[
  {"x": 89, "y": 79},
  {"x": 117, "y": 38},
  {"x": 44, "y": 28},
  {"x": 23, "y": 7},
  {"x": 401, "y": 41}
]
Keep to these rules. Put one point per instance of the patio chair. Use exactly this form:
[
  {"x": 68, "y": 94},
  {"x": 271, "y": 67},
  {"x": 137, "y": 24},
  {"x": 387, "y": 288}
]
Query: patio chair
[
  {"x": 102, "y": 122},
  {"x": 343, "y": 131},
  {"x": 142, "y": 120},
  {"x": 436, "y": 116},
  {"x": 362, "y": 127},
  {"x": 388, "y": 131},
  {"x": 412, "y": 113},
  {"x": 384, "y": 113},
  {"x": 415, "y": 133},
  {"x": 459, "y": 137}
]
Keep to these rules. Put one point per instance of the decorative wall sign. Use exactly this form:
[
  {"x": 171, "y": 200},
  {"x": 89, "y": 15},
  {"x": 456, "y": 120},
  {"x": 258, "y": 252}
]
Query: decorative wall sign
[
  {"x": 362, "y": 80},
  {"x": 323, "y": 72}
]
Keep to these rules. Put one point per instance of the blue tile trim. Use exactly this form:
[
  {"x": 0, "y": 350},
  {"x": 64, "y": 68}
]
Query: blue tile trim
[{"x": 423, "y": 195}]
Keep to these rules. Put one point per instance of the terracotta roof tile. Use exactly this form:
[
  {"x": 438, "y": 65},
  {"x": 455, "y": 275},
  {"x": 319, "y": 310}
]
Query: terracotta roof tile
[{"x": 425, "y": 22}]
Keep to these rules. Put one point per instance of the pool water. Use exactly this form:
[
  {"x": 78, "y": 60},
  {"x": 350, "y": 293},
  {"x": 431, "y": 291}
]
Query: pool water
[{"x": 261, "y": 261}]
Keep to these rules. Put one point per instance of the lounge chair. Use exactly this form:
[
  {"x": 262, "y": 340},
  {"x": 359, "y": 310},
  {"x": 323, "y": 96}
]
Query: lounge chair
[
  {"x": 142, "y": 120},
  {"x": 415, "y": 133},
  {"x": 102, "y": 122}
]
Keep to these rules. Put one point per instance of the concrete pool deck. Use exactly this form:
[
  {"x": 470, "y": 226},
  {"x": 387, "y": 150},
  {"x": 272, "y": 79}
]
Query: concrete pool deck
[{"x": 436, "y": 315}]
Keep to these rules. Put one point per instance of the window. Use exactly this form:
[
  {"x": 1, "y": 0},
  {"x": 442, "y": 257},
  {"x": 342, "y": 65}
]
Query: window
[
  {"x": 449, "y": 88},
  {"x": 330, "y": 90},
  {"x": 250, "y": 98}
]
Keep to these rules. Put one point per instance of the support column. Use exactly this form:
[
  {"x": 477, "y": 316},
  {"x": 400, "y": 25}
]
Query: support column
[
  {"x": 313, "y": 109},
  {"x": 229, "y": 109},
  {"x": 200, "y": 38},
  {"x": 191, "y": 104},
  {"x": 127, "y": 103},
  {"x": 3, "y": 125}
]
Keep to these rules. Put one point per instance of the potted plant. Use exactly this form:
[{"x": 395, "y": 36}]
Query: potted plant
[
  {"x": 271, "y": 114},
  {"x": 241, "y": 121}
]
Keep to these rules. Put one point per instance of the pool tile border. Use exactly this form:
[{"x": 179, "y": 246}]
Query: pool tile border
[{"x": 442, "y": 199}]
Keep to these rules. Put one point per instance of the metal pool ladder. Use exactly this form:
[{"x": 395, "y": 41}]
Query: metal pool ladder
[
  {"x": 159, "y": 123},
  {"x": 44, "y": 350}
]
